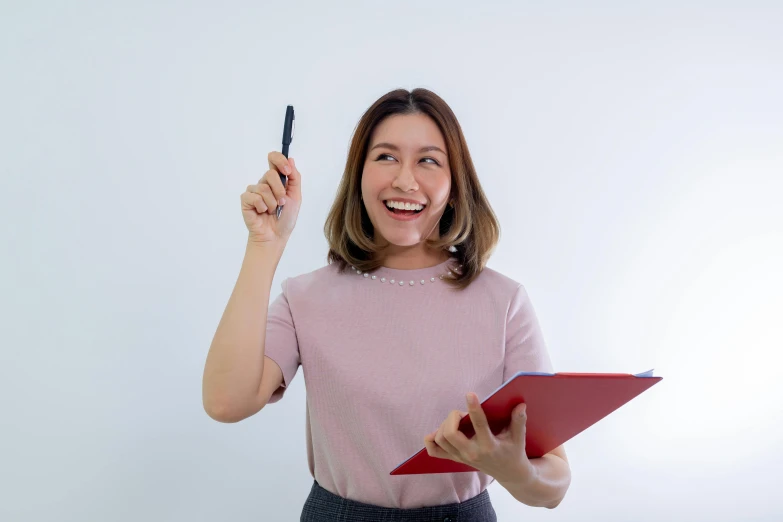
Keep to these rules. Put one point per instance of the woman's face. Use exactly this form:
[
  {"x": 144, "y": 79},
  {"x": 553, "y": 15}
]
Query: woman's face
[{"x": 406, "y": 162}]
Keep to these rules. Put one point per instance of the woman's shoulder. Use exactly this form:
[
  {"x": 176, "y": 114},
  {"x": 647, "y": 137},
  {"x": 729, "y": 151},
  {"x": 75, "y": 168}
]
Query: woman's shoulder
[
  {"x": 314, "y": 280},
  {"x": 503, "y": 290},
  {"x": 496, "y": 281}
]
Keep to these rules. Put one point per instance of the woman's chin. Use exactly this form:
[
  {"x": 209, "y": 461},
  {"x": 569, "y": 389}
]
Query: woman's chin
[{"x": 397, "y": 240}]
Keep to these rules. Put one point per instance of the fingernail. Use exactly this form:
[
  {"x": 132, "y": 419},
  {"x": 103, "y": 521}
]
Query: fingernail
[
  {"x": 281, "y": 202},
  {"x": 470, "y": 399},
  {"x": 287, "y": 169}
]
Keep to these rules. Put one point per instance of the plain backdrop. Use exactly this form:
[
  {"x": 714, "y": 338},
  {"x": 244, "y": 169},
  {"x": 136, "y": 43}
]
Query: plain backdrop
[{"x": 632, "y": 152}]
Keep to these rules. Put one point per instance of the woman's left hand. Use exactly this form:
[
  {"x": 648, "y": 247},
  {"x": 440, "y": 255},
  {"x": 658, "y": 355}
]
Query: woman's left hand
[{"x": 500, "y": 456}]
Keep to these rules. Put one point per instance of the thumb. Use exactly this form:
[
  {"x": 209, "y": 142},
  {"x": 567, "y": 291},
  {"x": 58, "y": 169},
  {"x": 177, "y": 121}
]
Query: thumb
[
  {"x": 294, "y": 182},
  {"x": 519, "y": 423}
]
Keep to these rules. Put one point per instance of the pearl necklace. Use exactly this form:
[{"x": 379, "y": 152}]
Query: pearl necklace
[{"x": 392, "y": 281}]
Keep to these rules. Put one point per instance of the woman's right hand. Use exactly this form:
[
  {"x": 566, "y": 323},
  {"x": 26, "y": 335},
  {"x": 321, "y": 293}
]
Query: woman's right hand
[{"x": 260, "y": 201}]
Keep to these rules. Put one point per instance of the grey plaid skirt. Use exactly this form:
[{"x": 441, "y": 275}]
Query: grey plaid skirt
[{"x": 324, "y": 506}]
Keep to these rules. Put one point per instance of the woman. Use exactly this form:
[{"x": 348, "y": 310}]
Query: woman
[{"x": 403, "y": 321}]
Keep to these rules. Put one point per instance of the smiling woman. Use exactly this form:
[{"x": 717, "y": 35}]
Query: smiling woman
[
  {"x": 417, "y": 308},
  {"x": 408, "y": 148},
  {"x": 403, "y": 183}
]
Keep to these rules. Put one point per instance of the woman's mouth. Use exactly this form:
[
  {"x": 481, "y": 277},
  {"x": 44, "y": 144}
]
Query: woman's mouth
[{"x": 403, "y": 212}]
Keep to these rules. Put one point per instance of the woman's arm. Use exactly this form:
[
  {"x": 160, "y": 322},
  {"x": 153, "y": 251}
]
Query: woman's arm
[
  {"x": 236, "y": 382},
  {"x": 548, "y": 485}
]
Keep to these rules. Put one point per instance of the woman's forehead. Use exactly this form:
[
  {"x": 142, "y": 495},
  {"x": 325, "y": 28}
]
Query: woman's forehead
[{"x": 408, "y": 132}]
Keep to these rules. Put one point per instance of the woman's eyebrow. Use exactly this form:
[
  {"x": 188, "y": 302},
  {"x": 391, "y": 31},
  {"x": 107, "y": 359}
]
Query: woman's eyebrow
[{"x": 395, "y": 147}]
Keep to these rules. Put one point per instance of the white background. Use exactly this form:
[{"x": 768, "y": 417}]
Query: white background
[{"x": 634, "y": 156}]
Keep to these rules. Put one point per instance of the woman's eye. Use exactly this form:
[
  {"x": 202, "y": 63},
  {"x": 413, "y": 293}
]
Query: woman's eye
[{"x": 382, "y": 156}]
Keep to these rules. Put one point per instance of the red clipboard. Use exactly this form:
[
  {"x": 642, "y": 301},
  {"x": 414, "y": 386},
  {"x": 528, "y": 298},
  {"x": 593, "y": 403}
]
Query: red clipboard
[{"x": 559, "y": 406}]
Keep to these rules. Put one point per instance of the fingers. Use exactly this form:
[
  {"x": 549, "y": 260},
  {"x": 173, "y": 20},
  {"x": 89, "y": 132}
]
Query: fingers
[
  {"x": 454, "y": 441},
  {"x": 294, "y": 179},
  {"x": 277, "y": 161},
  {"x": 477, "y": 417},
  {"x": 443, "y": 442},
  {"x": 272, "y": 178},
  {"x": 433, "y": 450},
  {"x": 269, "y": 198},
  {"x": 264, "y": 192},
  {"x": 269, "y": 192},
  {"x": 279, "y": 164},
  {"x": 519, "y": 424},
  {"x": 253, "y": 200}
]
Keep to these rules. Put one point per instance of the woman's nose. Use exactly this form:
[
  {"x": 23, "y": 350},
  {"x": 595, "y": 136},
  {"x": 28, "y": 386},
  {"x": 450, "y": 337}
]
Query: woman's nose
[{"x": 405, "y": 180}]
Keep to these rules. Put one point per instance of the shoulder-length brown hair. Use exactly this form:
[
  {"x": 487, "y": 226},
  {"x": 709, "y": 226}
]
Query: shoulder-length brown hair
[{"x": 470, "y": 225}]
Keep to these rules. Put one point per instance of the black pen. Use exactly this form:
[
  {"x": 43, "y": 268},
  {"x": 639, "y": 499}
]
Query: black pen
[{"x": 288, "y": 135}]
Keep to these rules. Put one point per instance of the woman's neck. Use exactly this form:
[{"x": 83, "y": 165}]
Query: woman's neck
[{"x": 413, "y": 258}]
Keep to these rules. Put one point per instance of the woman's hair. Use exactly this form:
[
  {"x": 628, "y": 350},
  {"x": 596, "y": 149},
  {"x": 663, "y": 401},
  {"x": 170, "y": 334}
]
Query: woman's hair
[{"x": 469, "y": 225}]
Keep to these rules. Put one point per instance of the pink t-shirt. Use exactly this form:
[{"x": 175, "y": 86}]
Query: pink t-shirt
[{"x": 384, "y": 363}]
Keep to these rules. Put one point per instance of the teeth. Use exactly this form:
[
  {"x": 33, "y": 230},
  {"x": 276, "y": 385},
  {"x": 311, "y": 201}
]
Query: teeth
[{"x": 404, "y": 206}]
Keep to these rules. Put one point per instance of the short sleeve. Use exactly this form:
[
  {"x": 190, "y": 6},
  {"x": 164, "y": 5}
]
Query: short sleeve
[
  {"x": 281, "y": 344},
  {"x": 525, "y": 347}
]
